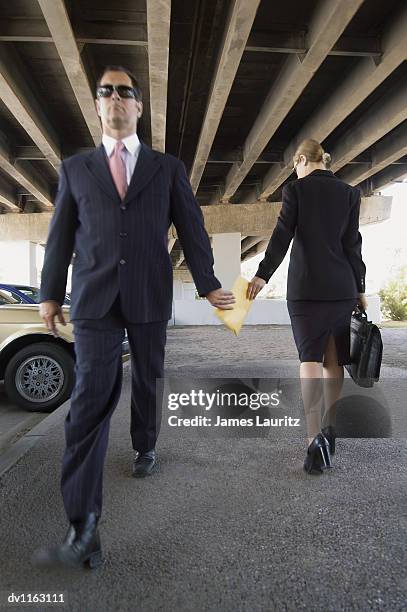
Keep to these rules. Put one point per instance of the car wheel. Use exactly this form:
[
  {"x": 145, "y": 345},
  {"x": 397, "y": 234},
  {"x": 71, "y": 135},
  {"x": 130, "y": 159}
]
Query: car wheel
[{"x": 40, "y": 377}]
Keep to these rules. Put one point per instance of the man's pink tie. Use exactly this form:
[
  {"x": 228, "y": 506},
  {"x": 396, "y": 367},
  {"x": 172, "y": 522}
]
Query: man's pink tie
[{"x": 118, "y": 169}]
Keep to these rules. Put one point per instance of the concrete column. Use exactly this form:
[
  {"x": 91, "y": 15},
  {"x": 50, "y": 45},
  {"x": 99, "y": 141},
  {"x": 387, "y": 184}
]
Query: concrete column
[
  {"x": 177, "y": 290},
  {"x": 19, "y": 262},
  {"x": 32, "y": 264},
  {"x": 226, "y": 253},
  {"x": 188, "y": 291}
]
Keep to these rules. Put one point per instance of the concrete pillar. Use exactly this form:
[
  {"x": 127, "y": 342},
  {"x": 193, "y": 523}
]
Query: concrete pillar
[
  {"x": 226, "y": 253},
  {"x": 177, "y": 290},
  {"x": 32, "y": 264},
  {"x": 188, "y": 291},
  {"x": 18, "y": 262}
]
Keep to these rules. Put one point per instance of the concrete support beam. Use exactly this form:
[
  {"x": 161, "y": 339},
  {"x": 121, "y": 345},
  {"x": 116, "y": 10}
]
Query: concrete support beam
[
  {"x": 249, "y": 243},
  {"x": 28, "y": 152},
  {"x": 260, "y": 219},
  {"x": 257, "y": 219},
  {"x": 327, "y": 26},
  {"x": 57, "y": 19},
  {"x": 247, "y": 219},
  {"x": 388, "y": 176},
  {"x": 358, "y": 85},
  {"x": 296, "y": 42},
  {"x": 383, "y": 116},
  {"x": 391, "y": 148},
  {"x": 32, "y": 30},
  {"x": 184, "y": 276},
  {"x": 8, "y": 197},
  {"x": 21, "y": 102},
  {"x": 33, "y": 227},
  {"x": 171, "y": 243},
  {"x": 260, "y": 247},
  {"x": 230, "y": 156},
  {"x": 81, "y": 40},
  {"x": 238, "y": 27},
  {"x": 25, "y": 177},
  {"x": 85, "y": 40},
  {"x": 158, "y": 31},
  {"x": 375, "y": 209}
]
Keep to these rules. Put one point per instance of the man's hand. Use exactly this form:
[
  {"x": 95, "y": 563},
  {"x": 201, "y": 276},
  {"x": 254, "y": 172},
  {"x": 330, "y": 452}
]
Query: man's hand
[
  {"x": 48, "y": 311},
  {"x": 255, "y": 285},
  {"x": 362, "y": 301},
  {"x": 220, "y": 298}
]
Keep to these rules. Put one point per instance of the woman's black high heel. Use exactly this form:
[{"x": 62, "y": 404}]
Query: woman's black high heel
[
  {"x": 318, "y": 456},
  {"x": 330, "y": 434}
]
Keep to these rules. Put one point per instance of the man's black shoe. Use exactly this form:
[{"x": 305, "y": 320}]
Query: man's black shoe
[
  {"x": 80, "y": 548},
  {"x": 143, "y": 464}
]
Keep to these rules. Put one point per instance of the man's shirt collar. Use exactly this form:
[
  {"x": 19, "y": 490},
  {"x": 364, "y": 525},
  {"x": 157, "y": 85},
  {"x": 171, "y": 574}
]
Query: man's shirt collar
[{"x": 132, "y": 143}]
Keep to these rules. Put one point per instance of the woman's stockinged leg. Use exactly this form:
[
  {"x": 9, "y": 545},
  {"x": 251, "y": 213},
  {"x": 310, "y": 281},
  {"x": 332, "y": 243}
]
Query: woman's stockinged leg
[
  {"x": 312, "y": 396},
  {"x": 333, "y": 382}
]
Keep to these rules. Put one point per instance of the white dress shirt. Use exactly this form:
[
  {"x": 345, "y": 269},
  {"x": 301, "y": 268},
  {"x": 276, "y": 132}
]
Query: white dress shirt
[{"x": 129, "y": 155}]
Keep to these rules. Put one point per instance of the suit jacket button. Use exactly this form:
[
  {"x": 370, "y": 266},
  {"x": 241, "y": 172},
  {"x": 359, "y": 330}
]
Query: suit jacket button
[
  {"x": 122, "y": 261},
  {"x": 123, "y": 234},
  {"x": 122, "y": 206}
]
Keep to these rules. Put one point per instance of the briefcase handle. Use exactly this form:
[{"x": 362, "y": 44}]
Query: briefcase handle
[{"x": 359, "y": 312}]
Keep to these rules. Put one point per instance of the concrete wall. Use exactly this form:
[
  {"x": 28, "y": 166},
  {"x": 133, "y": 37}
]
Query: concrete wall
[{"x": 263, "y": 311}]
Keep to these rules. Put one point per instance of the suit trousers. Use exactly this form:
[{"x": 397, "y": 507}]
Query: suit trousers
[{"x": 98, "y": 381}]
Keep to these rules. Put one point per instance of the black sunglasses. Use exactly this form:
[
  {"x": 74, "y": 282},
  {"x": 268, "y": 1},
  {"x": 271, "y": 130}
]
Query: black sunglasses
[{"x": 124, "y": 91}]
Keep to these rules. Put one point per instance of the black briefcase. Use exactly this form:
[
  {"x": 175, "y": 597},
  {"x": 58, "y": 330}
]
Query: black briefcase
[{"x": 366, "y": 349}]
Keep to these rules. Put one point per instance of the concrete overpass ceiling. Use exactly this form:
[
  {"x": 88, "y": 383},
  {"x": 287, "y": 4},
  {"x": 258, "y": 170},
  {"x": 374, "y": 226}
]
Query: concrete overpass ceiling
[
  {"x": 279, "y": 70},
  {"x": 331, "y": 72}
]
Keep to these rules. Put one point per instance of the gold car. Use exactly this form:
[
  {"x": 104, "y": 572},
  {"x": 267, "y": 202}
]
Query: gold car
[{"x": 37, "y": 368}]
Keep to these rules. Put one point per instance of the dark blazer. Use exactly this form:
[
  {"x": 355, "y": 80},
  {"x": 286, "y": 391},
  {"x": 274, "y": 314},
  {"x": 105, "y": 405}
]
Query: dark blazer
[
  {"x": 122, "y": 246},
  {"x": 321, "y": 213}
]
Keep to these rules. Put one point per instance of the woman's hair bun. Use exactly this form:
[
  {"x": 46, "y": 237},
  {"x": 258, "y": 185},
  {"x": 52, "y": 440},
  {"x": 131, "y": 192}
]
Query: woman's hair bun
[
  {"x": 312, "y": 151},
  {"x": 326, "y": 158}
]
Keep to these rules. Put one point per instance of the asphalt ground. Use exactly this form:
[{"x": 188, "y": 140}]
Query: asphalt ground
[
  {"x": 14, "y": 421},
  {"x": 230, "y": 523}
]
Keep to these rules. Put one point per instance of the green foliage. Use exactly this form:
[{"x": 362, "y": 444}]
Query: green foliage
[{"x": 394, "y": 297}]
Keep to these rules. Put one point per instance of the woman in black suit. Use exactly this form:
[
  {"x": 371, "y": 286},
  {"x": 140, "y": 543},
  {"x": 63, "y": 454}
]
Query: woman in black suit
[{"x": 326, "y": 280}]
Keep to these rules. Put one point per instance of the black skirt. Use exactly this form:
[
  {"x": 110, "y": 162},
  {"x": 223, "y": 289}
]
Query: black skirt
[{"x": 314, "y": 321}]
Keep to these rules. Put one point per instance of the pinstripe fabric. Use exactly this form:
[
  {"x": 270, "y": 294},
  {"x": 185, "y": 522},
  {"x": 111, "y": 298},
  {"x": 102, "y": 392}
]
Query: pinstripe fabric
[
  {"x": 91, "y": 220},
  {"x": 147, "y": 344},
  {"x": 98, "y": 379}
]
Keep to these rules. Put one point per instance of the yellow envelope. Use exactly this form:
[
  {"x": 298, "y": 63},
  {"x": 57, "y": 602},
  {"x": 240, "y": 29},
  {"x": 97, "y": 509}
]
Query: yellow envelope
[{"x": 233, "y": 319}]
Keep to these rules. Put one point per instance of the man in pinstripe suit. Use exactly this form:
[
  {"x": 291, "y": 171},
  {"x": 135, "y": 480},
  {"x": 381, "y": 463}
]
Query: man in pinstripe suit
[{"x": 113, "y": 208}]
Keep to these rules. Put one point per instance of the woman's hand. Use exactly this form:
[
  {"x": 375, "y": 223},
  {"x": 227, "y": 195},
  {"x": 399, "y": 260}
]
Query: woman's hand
[
  {"x": 255, "y": 285},
  {"x": 362, "y": 301}
]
